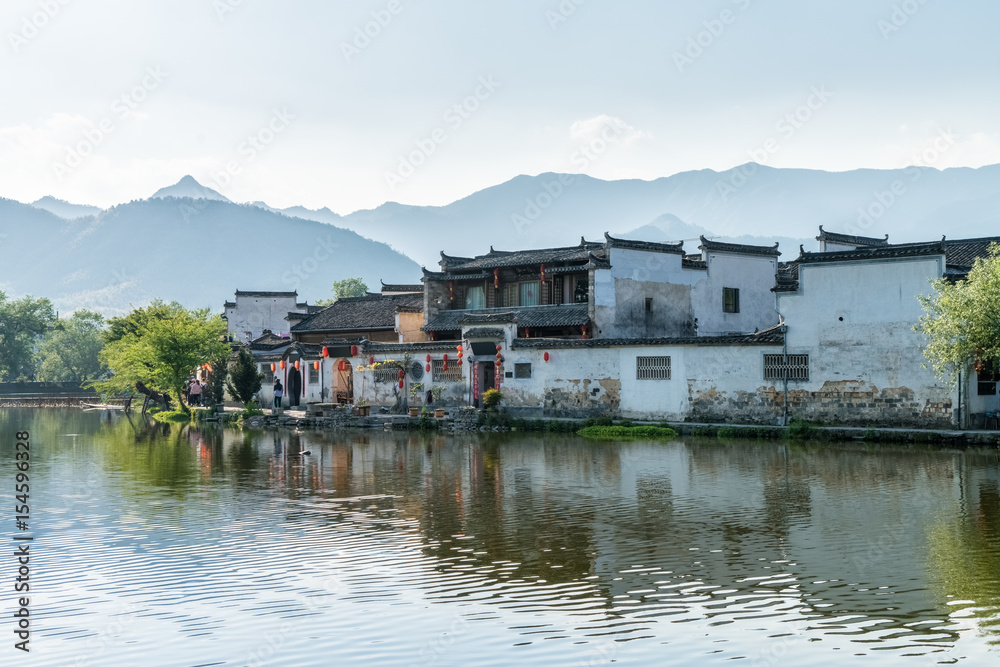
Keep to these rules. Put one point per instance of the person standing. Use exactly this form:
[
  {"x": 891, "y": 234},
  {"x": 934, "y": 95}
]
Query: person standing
[
  {"x": 194, "y": 393},
  {"x": 278, "y": 391}
]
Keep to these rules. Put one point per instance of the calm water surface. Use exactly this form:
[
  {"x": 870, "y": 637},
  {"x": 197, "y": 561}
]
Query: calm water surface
[{"x": 158, "y": 545}]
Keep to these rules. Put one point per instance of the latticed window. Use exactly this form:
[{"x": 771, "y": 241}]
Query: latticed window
[
  {"x": 775, "y": 367},
  {"x": 313, "y": 375},
  {"x": 522, "y": 371},
  {"x": 388, "y": 373},
  {"x": 652, "y": 368},
  {"x": 438, "y": 373},
  {"x": 265, "y": 369}
]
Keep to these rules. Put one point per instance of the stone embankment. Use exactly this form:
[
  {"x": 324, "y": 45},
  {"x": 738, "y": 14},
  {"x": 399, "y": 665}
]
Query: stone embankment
[{"x": 464, "y": 419}]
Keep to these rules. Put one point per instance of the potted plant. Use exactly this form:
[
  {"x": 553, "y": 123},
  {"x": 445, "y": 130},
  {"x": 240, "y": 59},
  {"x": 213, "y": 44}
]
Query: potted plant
[
  {"x": 436, "y": 392},
  {"x": 415, "y": 389},
  {"x": 363, "y": 407},
  {"x": 491, "y": 399}
]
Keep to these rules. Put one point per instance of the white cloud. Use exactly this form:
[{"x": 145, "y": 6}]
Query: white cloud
[{"x": 607, "y": 127}]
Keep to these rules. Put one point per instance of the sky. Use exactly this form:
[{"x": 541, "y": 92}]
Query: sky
[{"x": 351, "y": 104}]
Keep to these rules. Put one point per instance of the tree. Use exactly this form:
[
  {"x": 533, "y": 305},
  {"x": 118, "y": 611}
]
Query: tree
[
  {"x": 70, "y": 351},
  {"x": 342, "y": 289},
  {"x": 217, "y": 378},
  {"x": 244, "y": 380},
  {"x": 962, "y": 319},
  {"x": 22, "y": 323},
  {"x": 162, "y": 351},
  {"x": 138, "y": 318}
]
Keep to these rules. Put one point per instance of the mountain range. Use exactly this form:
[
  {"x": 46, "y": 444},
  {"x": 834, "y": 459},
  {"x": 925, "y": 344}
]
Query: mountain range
[{"x": 191, "y": 243}]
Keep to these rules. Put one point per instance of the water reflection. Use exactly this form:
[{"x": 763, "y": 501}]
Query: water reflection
[{"x": 401, "y": 548}]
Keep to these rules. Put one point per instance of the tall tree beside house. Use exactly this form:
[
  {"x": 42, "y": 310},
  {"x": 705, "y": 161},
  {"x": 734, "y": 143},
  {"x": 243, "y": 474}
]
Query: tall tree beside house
[
  {"x": 962, "y": 319},
  {"x": 23, "y": 322},
  {"x": 138, "y": 318},
  {"x": 70, "y": 350},
  {"x": 343, "y": 289},
  {"x": 162, "y": 351},
  {"x": 217, "y": 378},
  {"x": 244, "y": 379}
]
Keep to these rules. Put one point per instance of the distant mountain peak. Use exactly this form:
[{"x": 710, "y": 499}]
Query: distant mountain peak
[
  {"x": 65, "y": 209},
  {"x": 189, "y": 187}
]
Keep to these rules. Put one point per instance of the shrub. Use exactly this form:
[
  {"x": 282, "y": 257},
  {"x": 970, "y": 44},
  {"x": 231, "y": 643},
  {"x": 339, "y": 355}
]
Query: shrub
[
  {"x": 492, "y": 398},
  {"x": 726, "y": 432},
  {"x": 627, "y": 432},
  {"x": 800, "y": 430}
]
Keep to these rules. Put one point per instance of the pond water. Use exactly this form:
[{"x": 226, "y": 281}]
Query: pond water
[{"x": 166, "y": 545}]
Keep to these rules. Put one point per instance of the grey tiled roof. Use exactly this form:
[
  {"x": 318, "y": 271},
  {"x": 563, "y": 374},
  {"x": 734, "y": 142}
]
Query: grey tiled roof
[
  {"x": 269, "y": 341},
  {"x": 612, "y": 242},
  {"x": 402, "y": 288},
  {"x": 770, "y": 337},
  {"x": 877, "y": 252},
  {"x": 740, "y": 248},
  {"x": 268, "y": 294},
  {"x": 359, "y": 313},
  {"x": 964, "y": 252},
  {"x": 484, "y": 332},
  {"x": 495, "y": 259},
  {"x": 533, "y": 316},
  {"x": 847, "y": 239},
  {"x": 415, "y": 348}
]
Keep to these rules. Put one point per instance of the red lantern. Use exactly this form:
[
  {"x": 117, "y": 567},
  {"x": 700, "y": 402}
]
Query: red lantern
[
  {"x": 459, "y": 355},
  {"x": 315, "y": 365},
  {"x": 208, "y": 367},
  {"x": 444, "y": 367},
  {"x": 354, "y": 350},
  {"x": 459, "y": 363},
  {"x": 371, "y": 360},
  {"x": 326, "y": 352},
  {"x": 496, "y": 278},
  {"x": 543, "y": 273},
  {"x": 342, "y": 365},
  {"x": 428, "y": 368},
  {"x": 281, "y": 364},
  {"x": 401, "y": 375},
  {"x": 546, "y": 357},
  {"x": 499, "y": 348},
  {"x": 428, "y": 358},
  {"x": 297, "y": 364},
  {"x": 272, "y": 368},
  {"x": 459, "y": 348},
  {"x": 444, "y": 358},
  {"x": 400, "y": 384}
]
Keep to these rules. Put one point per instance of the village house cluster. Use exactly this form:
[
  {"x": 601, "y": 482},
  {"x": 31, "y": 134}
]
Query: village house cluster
[{"x": 637, "y": 330}]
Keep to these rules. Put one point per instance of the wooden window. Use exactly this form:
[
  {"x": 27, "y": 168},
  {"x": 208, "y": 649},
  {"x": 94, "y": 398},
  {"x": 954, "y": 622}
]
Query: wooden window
[
  {"x": 529, "y": 293},
  {"x": 475, "y": 298},
  {"x": 730, "y": 300},
  {"x": 438, "y": 374},
  {"x": 511, "y": 295},
  {"x": 652, "y": 368},
  {"x": 522, "y": 371},
  {"x": 987, "y": 380},
  {"x": 775, "y": 367},
  {"x": 265, "y": 369},
  {"x": 312, "y": 374}
]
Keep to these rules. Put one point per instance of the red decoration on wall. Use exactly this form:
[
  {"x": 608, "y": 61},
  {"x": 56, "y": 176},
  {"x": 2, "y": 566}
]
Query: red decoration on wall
[
  {"x": 451, "y": 290},
  {"x": 428, "y": 358},
  {"x": 444, "y": 367},
  {"x": 315, "y": 365},
  {"x": 371, "y": 360},
  {"x": 428, "y": 368},
  {"x": 342, "y": 365},
  {"x": 496, "y": 278},
  {"x": 543, "y": 273},
  {"x": 400, "y": 384},
  {"x": 354, "y": 350},
  {"x": 326, "y": 352},
  {"x": 499, "y": 348},
  {"x": 272, "y": 368},
  {"x": 546, "y": 357},
  {"x": 445, "y": 357},
  {"x": 282, "y": 364},
  {"x": 459, "y": 348},
  {"x": 401, "y": 375}
]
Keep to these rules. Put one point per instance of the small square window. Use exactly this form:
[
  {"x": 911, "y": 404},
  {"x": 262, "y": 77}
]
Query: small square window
[
  {"x": 730, "y": 300},
  {"x": 522, "y": 371}
]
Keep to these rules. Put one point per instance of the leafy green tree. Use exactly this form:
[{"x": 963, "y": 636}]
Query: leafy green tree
[
  {"x": 22, "y": 324},
  {"x": 162, "y": 351},
  {"x": 138, "y": 318},
  {"x": 218, "y": 377},
  {"x": 345, "y": 288},
  {"x": 70, "y": 350},
  {"x": 244, "y": 380},
  {"x": 962, "y": 319}
]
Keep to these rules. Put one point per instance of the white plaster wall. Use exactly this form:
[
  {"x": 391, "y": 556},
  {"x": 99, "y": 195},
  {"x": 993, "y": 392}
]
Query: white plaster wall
[
  {"x": 255, "y": 314},
  {"x": 856, "y": 319},
  {"x": 754, "y": 276}
]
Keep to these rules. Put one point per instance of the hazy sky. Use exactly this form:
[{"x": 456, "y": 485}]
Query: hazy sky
[{"x": 350, "y": 104}]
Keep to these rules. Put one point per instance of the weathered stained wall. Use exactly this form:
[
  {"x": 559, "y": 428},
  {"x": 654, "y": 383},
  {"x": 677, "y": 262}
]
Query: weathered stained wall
[
  {"x": 753, "y": 276},
  {"x": 855, "y": 321},
  {"x": 254, "y": 314},
  {"x": 408, "y": 327}
]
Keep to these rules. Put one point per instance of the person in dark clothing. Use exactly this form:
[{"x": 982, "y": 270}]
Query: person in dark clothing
[{"x": 278, "y": 389}]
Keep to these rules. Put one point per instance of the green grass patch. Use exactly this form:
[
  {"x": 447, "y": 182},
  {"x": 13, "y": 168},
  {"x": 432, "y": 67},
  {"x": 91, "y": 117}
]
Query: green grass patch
[
  {"x": 173, "y": 417},
  {"x": 620, "y": 432}
]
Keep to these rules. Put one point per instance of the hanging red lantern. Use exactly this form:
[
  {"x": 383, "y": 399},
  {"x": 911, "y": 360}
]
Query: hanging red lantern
[
  {"x": 315, "y": 365},
  {"x": 297, "y": 364},
  {"x": 428, "y": 358},
  {"x": 326, "y": 352},
  {"x": 546, "y": 357},
  {"x": 342, "y": 365},
  {"x": 543, "y": 273},
  {"x": 401, "y": 374},
  {"x": 459, "y": 363},
  {"x": 428, "y": 368},
  {"x": 272, "y": 368},
  {"x": 281, "y": 364},
  {"x": 444, "y": 358},
  {"x": 444, "y": 367},
  {"x": 354, "y": 350},
  {"x": 496, "y": 278},
  {"x": 499, "y": 348},
  {"x": 371, "y": 360},
  {"x": 459, "y": 348},
  {"x": 460, "y": 354}
]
